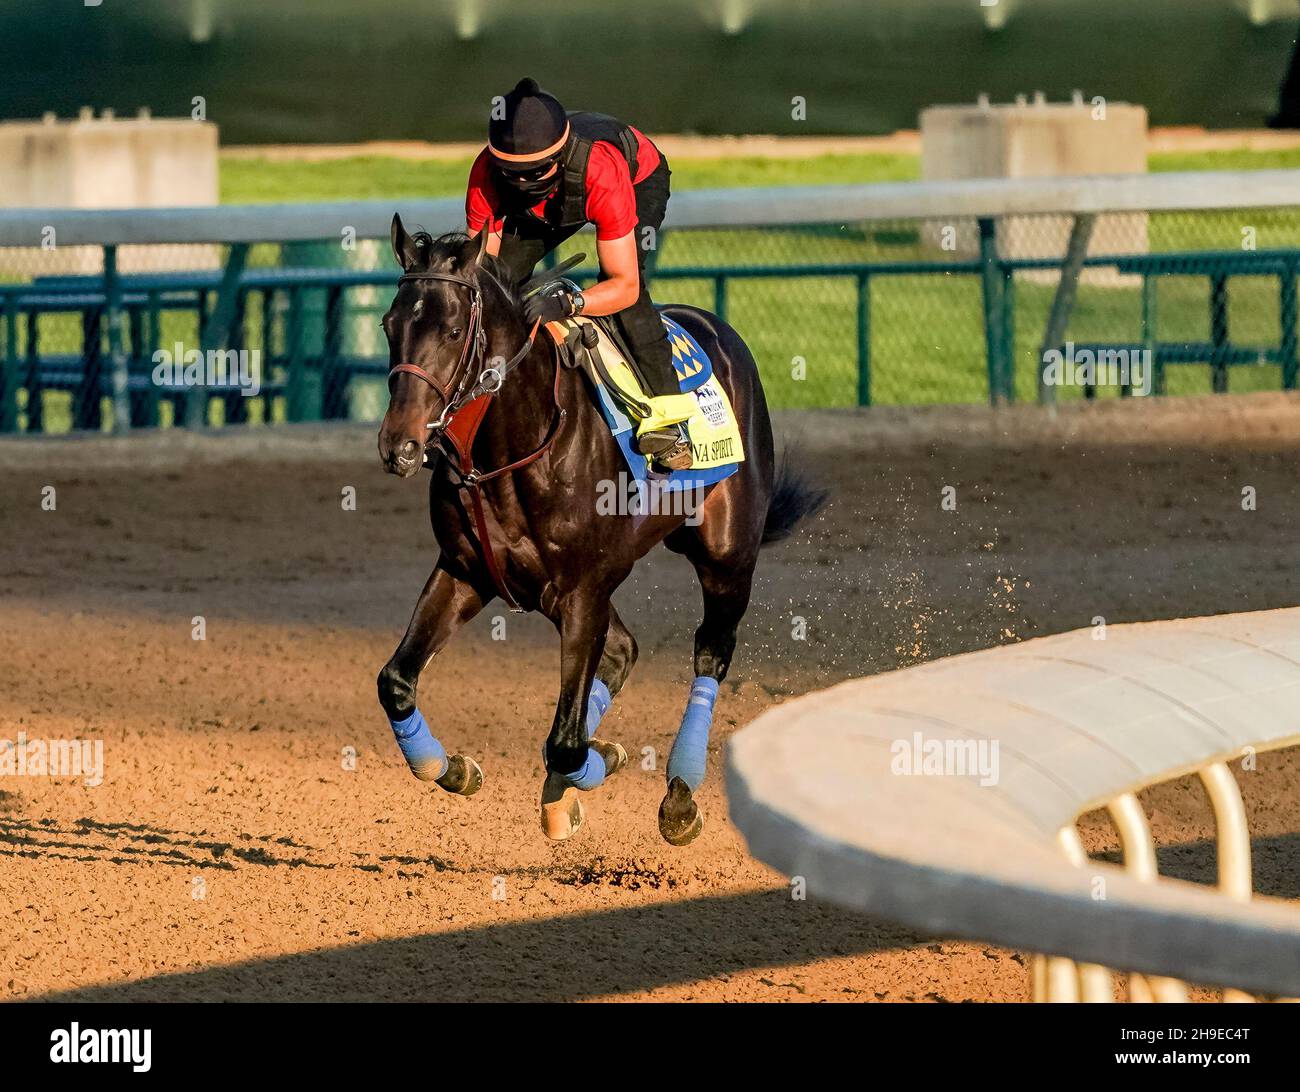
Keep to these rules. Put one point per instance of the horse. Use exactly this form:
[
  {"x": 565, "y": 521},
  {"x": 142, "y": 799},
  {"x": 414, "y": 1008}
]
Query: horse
[{"x": 513, "y": 501}]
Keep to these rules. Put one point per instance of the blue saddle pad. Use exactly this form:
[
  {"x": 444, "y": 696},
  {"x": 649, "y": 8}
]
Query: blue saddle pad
[{"x": 694, "y": 369}]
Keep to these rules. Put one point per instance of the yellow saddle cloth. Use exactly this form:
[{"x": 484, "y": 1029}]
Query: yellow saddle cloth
[{"x": 703, "y": 403}]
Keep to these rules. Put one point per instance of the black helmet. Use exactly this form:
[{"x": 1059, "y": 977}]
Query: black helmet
[{"x": 532, "y": 130}]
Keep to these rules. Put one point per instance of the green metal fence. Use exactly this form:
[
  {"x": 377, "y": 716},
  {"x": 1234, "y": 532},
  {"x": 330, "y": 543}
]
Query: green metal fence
[{"x": 908, "y": 310}]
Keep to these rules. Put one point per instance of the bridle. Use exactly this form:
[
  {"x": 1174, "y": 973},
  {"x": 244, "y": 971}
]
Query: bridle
[
  {"x": 471, "y": 353},
  {"x": 454, "y": 435}
]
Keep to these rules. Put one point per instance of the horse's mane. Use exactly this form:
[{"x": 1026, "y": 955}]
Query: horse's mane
[{"x": 446, "y": 253}]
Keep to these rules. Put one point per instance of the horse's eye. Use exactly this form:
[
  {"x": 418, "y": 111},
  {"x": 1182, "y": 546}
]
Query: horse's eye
[{"x": 455, "y": 333}]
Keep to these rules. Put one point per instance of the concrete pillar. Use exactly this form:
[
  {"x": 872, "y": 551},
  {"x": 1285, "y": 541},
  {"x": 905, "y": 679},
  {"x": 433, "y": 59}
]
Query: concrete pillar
[
  {"x": 1036, "y": 139},
  {"x": 101, "y": 162}
]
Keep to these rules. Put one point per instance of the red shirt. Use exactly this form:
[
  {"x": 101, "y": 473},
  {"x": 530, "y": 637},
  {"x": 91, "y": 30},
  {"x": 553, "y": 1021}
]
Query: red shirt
[{"x": 611, "y": 204}]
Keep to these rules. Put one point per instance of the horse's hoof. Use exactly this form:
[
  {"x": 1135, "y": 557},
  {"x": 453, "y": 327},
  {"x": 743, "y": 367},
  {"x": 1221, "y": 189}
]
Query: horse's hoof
[
  {"x": 680, "y": 821},
  {"x": 613, "y": 754},
  {"x": 562, "y": 812},
  {"x": 464, "y": 776}
]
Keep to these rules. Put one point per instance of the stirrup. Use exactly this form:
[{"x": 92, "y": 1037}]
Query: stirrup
[
  {"x": 669, "y": 449},
  {"x": 677, "y": 457}
]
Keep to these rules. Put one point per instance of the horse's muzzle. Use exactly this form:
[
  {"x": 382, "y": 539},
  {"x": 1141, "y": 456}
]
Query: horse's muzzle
[{"x": 405, "y": 459}]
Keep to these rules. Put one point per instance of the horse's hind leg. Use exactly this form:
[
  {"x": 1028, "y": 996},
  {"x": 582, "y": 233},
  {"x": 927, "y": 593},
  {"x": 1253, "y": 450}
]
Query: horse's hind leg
[
  {"x": 726, "y": 590},
  {"x": 444, "y": 606}
]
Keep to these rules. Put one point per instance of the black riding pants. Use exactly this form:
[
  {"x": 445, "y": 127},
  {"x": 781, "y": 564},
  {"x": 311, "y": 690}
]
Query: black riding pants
[{"x": 525, "y": 240}]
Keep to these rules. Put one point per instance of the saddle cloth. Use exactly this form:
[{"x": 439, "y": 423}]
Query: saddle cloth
[{"x": 703, "y": 405}]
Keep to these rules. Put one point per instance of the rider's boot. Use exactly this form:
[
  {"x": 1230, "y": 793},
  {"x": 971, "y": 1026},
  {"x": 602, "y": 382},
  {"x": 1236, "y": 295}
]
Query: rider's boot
[{"x": 661, "y": 436}]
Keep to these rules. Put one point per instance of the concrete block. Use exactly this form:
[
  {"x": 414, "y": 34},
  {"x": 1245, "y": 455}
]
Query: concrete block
[
  {"x": 103, "y": 162},
  {"x": 1034, "y": 140}
]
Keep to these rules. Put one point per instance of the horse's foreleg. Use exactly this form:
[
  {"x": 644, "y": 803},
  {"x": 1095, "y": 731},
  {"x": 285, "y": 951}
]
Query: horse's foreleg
[
  {"x": 572, "y": 762},
  {"x": 444, "y": 606},
  {"x": 616, "y": 662}
]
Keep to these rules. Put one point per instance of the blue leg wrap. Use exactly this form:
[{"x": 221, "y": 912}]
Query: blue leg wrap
[
  {"x": 424, "y": 754},
  {"x": 590, "y": 775},
  {"x": 597, "y": 706},
  {"x": 691, "y": 747}
]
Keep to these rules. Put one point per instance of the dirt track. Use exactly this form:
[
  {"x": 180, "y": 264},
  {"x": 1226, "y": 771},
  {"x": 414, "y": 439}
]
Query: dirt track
[{"x": 224, "y": 757}]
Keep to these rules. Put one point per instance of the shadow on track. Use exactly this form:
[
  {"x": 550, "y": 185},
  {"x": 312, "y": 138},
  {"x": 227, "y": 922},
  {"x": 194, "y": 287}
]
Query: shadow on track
[{"x": 556, "y": 959}]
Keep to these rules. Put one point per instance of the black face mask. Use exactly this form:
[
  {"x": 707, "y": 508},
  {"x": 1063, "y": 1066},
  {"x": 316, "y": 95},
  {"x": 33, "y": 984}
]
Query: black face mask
[{"x": 523, "y": 191}]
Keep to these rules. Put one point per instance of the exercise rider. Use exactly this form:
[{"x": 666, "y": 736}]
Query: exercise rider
[{"x": 544, "y": 175}]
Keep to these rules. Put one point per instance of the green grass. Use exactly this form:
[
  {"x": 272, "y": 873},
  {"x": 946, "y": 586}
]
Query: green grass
[
  {"x": 256, "y": 181},
  {"x": 1237, "y": 160},
  {"x": 260, "y": 181}
]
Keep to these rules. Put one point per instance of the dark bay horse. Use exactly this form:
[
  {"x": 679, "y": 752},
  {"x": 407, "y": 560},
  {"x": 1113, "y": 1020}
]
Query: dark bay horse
[{"x": 534, "y": 534}]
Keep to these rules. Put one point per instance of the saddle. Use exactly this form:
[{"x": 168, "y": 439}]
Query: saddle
[{"x": 596, "y": 345}]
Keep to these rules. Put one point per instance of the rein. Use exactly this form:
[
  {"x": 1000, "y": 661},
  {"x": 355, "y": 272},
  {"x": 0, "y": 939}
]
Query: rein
[{"x": 463, "y": 412}]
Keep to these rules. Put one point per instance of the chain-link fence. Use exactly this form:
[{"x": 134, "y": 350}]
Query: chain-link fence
[
  {"x": 894, "y": 311},
  {"x": 901, "y": 311}
]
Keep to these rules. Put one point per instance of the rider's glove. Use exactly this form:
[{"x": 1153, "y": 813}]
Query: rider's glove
[{"x": 549, "y": 305}]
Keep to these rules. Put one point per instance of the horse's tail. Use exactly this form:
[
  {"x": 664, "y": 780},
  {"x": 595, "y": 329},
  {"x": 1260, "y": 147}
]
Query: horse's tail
[{"x": 793, "y": 498}]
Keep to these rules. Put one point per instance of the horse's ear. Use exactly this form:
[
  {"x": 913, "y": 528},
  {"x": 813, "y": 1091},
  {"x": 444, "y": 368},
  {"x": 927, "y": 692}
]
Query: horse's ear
[
  {"x": 404, "y": 250},
  {"x": 476, "y": 248}
]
